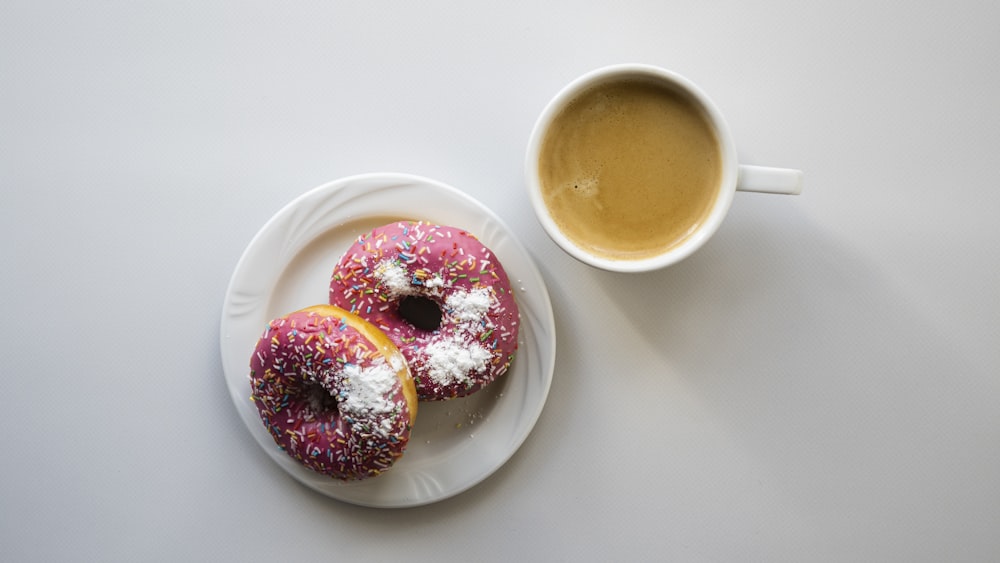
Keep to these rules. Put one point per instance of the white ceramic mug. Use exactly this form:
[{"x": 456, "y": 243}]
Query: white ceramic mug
[{"x": 734, "y": 176}]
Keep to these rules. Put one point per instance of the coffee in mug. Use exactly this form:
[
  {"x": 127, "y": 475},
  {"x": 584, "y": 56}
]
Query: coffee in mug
[
  {"x": 629, "y": 168},
  {"x": 632, "y": 168}
]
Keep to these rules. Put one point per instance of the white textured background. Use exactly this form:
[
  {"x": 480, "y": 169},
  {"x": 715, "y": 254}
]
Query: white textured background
[{"x": 820, "y": 382}]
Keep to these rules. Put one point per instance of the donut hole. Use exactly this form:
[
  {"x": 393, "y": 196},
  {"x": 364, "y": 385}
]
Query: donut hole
[
  {"x": 320, "y": 399},
  {"x": 420, "y": 312}
]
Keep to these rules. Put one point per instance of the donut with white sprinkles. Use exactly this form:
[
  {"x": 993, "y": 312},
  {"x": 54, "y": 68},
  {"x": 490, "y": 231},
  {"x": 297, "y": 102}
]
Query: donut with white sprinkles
[
  {"x": 333, "y": 391},
  {"x": 440, "y": 295}
]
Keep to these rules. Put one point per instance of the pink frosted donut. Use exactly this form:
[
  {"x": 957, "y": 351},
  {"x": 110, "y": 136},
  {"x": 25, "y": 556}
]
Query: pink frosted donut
[
  {"x": 441, "y": 296},
  {"x": 333, "y": 391}
]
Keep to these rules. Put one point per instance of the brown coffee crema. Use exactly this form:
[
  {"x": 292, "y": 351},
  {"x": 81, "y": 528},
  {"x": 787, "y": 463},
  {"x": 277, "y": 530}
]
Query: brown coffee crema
[{"x": 629, "y": 169}]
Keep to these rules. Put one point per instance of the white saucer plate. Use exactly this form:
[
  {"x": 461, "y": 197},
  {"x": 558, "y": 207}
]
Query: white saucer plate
[{"x": 455, "y": 444}]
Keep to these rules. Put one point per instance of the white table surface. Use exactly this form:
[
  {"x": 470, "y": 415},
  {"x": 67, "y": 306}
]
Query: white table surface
[{"x": 820, "y": 382}]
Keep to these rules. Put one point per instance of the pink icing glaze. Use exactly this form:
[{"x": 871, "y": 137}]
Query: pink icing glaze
[
  {"x": 477, "y": 337},
  {"x": 329, "y": 397}
]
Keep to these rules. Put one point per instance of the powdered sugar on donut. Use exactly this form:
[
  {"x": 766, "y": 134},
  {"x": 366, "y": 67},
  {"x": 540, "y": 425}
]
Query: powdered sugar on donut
[
  {"x": 469, "y": 306},
  {"x": 450, "y": 360},
  {"x": 434, "y": 283},
  {"x": 365, "y": 392},
  {"x": 393, "y": 278}
]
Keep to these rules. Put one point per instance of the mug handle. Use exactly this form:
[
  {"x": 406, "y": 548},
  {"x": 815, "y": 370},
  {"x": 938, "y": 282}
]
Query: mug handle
[{"x": 769, "y": 180}]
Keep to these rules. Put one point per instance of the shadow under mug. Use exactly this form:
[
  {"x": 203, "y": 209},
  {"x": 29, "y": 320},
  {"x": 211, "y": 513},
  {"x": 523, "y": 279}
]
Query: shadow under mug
[{"x": 734, "y": 177}]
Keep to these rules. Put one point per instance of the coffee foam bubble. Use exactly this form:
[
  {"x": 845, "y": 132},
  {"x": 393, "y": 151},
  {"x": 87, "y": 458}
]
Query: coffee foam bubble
[{"x": 585, "y": 187}]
